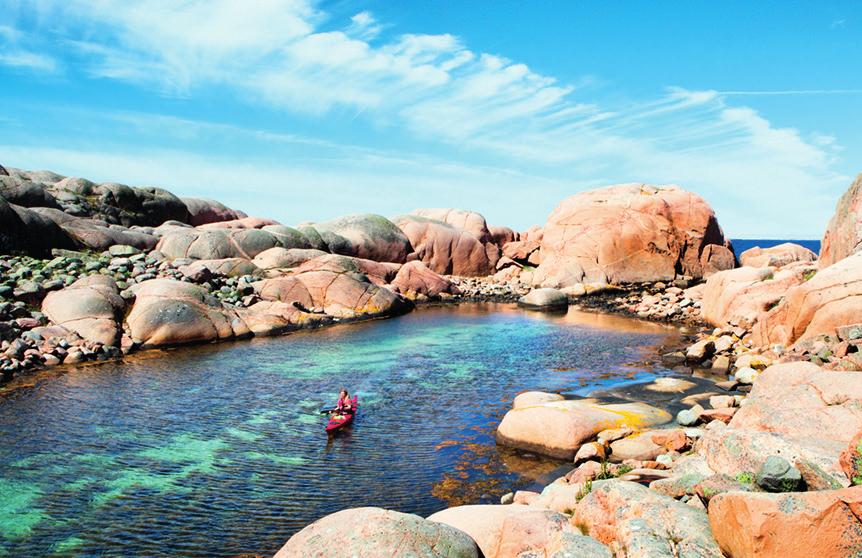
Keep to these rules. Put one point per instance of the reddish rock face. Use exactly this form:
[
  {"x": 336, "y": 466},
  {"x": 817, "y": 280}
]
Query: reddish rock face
[
  {"x": 91, "y": 307},
  {"x": 284, "y": 258},
  {"x": 843, "y": 234},
  {"x": 825, "y": 524},
  {"x": 203, "y": 211},
  {"x": 374, "y": 532},
  {"x": 851, "y": 460},
  {"x": 168, "y": 312},
  {"x": 796, "y": 410},
  {"x": 215, "y": 244},
  {"x": 830, "y": 299},
  {"x": 502, "y": 235},
  {"x": 626, "y": 234},
  {"x": 643, "y": 522},
  {"x": 776, "y": 256},
  {"x": 470, "y": 221},
  {"x": 445, "y": 249},
  {"x": 414, "y": 278},
  {"x": 338, "y": 286},
  {"x": 515, "y": 530},
  {"x": 743, "y": 295},
  {"x": 240, "y": 223}
]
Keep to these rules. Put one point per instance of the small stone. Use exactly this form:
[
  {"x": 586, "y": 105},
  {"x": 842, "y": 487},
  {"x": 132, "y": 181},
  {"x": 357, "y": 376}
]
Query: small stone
[
  {"x": 721, "y": 364},
  {"x": 723, "y": 414},
  {"x": 590, "y": 451},
  {"x": 722, "y": 401},
  {"x": 745, "y": 375},
  {"x": 778, "y": 475},
  {"x": 507, "y": 498},
  {"x": 700, "y": 351},
  {"x": 689, "y": 417}
]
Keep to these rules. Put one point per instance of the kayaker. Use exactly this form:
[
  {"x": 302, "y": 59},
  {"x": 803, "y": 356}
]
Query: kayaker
[{"x": 345, "y": 404}]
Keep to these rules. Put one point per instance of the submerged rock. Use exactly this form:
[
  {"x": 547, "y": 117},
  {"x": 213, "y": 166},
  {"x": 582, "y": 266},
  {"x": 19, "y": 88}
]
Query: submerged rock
[
  {"x": 544, "y": 299},
  {"x": 374, "y": 532}
]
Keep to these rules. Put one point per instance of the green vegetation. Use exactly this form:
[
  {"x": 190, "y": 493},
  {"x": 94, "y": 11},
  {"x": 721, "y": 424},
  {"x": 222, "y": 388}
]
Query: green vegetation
[
  {"x": 584, "y": 491},
  {"x": 809, "y": 274},
  {"x": 745, "y": 477}
]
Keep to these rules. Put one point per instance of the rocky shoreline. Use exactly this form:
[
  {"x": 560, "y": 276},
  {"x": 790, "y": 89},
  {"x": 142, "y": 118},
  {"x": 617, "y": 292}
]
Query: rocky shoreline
[{"x": 764, "y": 462}]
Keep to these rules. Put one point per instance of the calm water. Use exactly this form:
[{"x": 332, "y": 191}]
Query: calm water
[{"x": 218, "y": 450}]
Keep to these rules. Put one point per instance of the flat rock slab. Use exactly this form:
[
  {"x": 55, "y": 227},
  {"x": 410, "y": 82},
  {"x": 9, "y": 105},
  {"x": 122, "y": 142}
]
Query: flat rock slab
[{"x": 558, "y": 428}]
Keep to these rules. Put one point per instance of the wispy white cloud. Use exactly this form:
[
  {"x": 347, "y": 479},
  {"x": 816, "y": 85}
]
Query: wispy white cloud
[
  {"x": 794, "y": 92},
  {"x": 437, "y": 89},
  {"x": 14, "y": 53}
]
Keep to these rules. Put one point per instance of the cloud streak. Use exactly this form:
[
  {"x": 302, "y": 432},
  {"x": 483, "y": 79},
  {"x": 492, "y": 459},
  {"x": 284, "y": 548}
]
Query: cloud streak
[{"x": 291, "y": 56}]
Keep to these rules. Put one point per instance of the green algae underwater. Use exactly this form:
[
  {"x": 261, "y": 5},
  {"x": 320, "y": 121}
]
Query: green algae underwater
[{"x": 219, "y": 450}]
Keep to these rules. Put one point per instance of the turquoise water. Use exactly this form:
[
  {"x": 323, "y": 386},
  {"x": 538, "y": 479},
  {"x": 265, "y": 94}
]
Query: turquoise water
[{"x": 219, "y": 451}]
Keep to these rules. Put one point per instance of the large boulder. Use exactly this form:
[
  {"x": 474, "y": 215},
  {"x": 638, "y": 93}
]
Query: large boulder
[
  {"x": 843, "y": 235},
  {"x": 215, "y": 244},
  {"x": 25, "y": 231},
  {"x": 819, "y": 306},
  {"x": 285, "y": 258},
  {"x": 288, "y": 237},
  {"x": 515, "y": 530},
  {"x": 150, "y": 206},
  {"x": 345, "y": 293},
  {"x": 168, "y": 312},
  {"x": 202, "y": 211},
  {"x": 444, "y": 248},
  {"x": 97, "y": 235},
  {"x": 627, "y": 234},
  {"x": 379, "y": 273},
  {"x": 374, "y": 532},
  {"x": 414, "y": 279},
  {"x": 740, "y": 296},
  {"x": 824, "y": 523},
  {"x": 558, "y": 428},
  {"x": 470, "y": 221},
  {"x": 796, "y": 410},
  {"x": 640, "y": 523},
  {"x": 25, "y": 193},
  {"x": 91, "y": 307},
  {"x": 503, "y": 235},
  {"x": 366, "y": 236},
  {"x": 776, "y": 256},
  {"x": 273, "y": 317}
]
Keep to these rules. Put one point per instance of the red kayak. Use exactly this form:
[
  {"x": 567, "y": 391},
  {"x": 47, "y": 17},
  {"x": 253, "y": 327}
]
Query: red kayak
[{"x": 340, "y": 420}]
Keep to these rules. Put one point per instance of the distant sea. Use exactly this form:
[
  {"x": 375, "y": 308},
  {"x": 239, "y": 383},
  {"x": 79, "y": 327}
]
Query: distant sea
[{"x": 740, "y": 245}]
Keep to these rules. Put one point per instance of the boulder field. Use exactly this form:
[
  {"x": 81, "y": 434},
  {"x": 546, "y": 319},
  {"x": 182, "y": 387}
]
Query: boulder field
[{"x": 751, "y": 449}]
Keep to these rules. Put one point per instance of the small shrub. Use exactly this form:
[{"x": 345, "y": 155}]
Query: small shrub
[
  {"x": 585, "y": 489},
  {"x": 745, "y": 477},
  {"x": 809, "y": 274}
]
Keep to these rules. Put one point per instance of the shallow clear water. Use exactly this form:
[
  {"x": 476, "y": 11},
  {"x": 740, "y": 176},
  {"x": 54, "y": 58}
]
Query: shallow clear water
[{"x": 218, "y": 450}]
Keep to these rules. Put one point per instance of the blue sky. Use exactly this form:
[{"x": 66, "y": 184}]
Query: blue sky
[{"x": 302, "y": 110}]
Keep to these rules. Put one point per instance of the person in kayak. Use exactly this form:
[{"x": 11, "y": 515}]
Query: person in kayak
[{"x": 345, "y": 404}]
